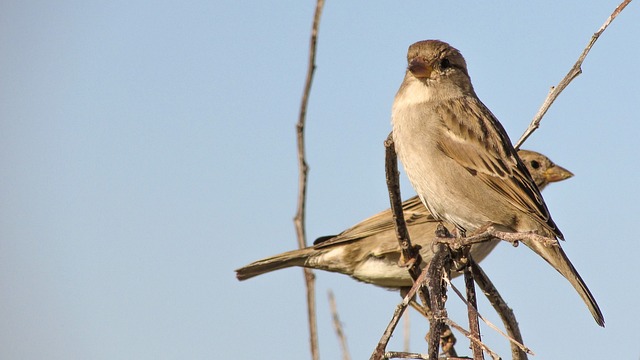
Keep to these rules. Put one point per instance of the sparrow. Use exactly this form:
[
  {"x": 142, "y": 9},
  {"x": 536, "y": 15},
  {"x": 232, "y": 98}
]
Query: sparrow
[
  {"x": 369, "y": 251},
  {"x": 461, "y": 162}
]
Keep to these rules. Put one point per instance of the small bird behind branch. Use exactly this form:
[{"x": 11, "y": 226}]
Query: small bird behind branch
[
  {"x": 460, "y": 161},
  {"x": 369, "y": 250}
]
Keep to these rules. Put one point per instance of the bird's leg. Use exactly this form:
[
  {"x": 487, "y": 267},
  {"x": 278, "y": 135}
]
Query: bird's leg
[
  {"x": 442, "y": 231},
  {"x": 447, "y": 341},
  {"x": 409, "y": 262}
]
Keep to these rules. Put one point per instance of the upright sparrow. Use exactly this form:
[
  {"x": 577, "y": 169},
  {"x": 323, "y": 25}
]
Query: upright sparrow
[
  {"x": 461, "y": 162},
  {"x": 369, "y": 251}
]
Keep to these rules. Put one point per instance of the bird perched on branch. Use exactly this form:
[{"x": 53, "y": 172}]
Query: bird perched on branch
[
  {"x": 460, "y": 161},
  {"x": 369, "y": 250}
]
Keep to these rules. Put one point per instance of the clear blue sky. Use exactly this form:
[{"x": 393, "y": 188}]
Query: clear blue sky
[{"x": 148, "y": 149}]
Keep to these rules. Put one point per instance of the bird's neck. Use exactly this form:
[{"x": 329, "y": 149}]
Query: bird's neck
[{"x": 413, "y": 92}]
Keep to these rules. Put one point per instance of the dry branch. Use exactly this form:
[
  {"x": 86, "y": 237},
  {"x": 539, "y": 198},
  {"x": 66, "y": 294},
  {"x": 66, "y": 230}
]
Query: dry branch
[
  {"x": 473, "y": 340},
  {"x": 404, "y": 355},
  {"x": 299, "y": 219},
  {"x": 518, "y": 351},
  {"x": 472, "y": 305},
  {"x": 491, "y": 233},
  {"x": 438, "y": 267},
  {"x": 406, "y": 333},
  {"x": 410, "y": 254},
  {"x": 337, "y": 326},
  {"x": 379, "y": 352},
  {"x": 573, "y": 73}
]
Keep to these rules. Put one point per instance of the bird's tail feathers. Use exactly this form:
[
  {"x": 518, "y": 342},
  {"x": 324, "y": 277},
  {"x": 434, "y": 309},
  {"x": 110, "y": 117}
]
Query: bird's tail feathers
[
  {"x": 277, "y": 262},
  {"x": 555, "y": 256}
]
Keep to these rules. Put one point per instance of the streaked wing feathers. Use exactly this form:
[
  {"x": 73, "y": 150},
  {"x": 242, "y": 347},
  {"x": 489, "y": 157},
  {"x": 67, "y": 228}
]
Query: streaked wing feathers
[
  {"x": 414, "y": 212},
  {"x": 480, "y": 144}
]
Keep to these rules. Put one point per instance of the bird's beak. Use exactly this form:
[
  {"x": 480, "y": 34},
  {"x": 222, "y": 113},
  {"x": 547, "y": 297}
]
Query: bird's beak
[
  {"x": 557, "y": 173},
  {"x": 420, "y": 68}
]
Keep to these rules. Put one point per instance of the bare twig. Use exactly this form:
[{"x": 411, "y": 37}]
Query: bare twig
[
  {"x": 447, "y": 339},
  {"x": 379, "y": 351},
  {"x": 450, "y": 323},
  {"x": 466, "y": 333},
  {"x": 472, "y": 305},
  {"x": 487, "y": 233},
  {"x": 337, "y": 325},
  {"x": 489, "y": 323},
  {"x": 410, "y": 254},
  {"x": 490, "y": 233},
  {"x": 518, "y": 351},
  {"x": 407, "y": 332},
  {"x": 299, "y": 219},
  {"x": 573, "y": 73},
  {"x": 438, "y": 267},
  {"x": 404, "y": 355}
]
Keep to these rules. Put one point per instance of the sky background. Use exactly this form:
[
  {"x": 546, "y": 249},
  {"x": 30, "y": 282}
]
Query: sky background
[{"x": 148, "y": 149}]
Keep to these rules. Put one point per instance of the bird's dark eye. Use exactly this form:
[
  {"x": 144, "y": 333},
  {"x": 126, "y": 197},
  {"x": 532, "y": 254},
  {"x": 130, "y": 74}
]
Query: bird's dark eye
[
  {"x": 445, "y": 63},
  {"x": 535, "y": 164}
]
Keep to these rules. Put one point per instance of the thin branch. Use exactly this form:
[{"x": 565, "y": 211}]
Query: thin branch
[
  {"x": 466, "y": 333},
  {"x": 484, "y": 234},
  {"x": 404, "y": 355},
  {"x": 379, "y": 351},
  {"x": 337, "y": 325},
  {"x": 491, "y": 233},
  {"x": 299, "y": 219},
  {"x": 438, "y": 267},
  {"x": 472, "y": 305},
  {"x": 410, "y": 254},
  {"x": 450, "y": 323},
  {"x": 518, "y": 351},
  {"x": 489, "y": 323},
  {"x": 407, "y": 333},
  {"x": 460, "y": 257},
  {"x": 573, "y": 73},
  {"x": 409, "y": 355},
  {"x": 447, "y": 339}
]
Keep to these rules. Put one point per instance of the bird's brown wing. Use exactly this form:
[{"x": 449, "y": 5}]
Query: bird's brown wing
[
  {"x": 414, "y": 212},
  {"x": 479, "y": 143}
]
